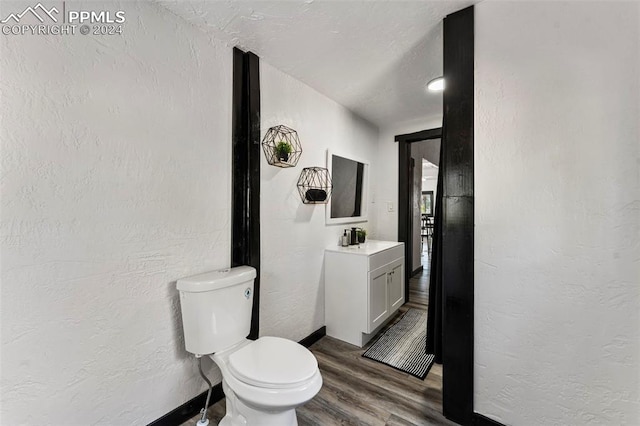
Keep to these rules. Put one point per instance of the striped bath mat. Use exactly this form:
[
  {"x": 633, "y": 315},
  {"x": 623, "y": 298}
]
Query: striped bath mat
[{"x": 402, "y": 346}]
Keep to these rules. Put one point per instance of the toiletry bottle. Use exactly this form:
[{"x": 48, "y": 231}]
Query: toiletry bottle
[
  {"x": 354, "y": 236},
  {"x": 345, "y": 239}
]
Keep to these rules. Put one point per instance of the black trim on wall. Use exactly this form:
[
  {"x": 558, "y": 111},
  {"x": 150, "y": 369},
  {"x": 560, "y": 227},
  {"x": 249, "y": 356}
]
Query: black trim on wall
[
  {"x": 245, "y": 217},
  {"x": 189, "y": 408},
  {"x": 420, "y": 136},
  {"x": 253, "y": 84},
  {"x": 458, "y": 205},
  {"x": 417, "y": 271},
  {"x": 404, "y": 182},
  {"x": 194, "y": 405},
  {"x": 480, "y": 420},
  {"x": 314, "y": 337},
  {"x": 240, "y": 164},
  {"x": 404, "y": 221}
]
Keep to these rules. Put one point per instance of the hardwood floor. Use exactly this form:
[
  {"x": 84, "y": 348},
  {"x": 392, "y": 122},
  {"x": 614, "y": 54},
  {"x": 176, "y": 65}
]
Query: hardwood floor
[
  {"x": 419, "y": 285},
  {"x": 359, "y": 391}
]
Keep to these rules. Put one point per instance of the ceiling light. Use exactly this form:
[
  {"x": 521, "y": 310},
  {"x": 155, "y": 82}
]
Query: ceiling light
[{"x": 436, "y": 85}]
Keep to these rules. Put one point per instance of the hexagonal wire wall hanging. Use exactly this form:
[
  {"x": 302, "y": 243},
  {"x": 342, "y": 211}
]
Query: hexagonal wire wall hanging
[
  {"x": 281, "y": 146},
  {"x": 314, "y": 185}
]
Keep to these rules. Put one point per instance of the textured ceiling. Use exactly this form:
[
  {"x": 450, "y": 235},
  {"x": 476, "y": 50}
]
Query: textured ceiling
[{"x": 374, "y": 57}]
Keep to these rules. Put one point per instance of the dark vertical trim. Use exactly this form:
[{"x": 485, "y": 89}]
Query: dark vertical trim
[
  {"x": 410, "y": 224},
  {"x": 457, "y": 241},
  {"x": 404, "y": 182},
  {"x": 240, "y": 175},
  {"x": 239, "y": 225},
  {"x": 253, "y": 111},
  {"x": 404, "y": 221},
  {"x": 245, "y": 239}
]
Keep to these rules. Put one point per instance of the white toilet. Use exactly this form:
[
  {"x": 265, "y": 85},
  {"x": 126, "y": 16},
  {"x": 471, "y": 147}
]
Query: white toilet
[{"x": 263, "y": 380}]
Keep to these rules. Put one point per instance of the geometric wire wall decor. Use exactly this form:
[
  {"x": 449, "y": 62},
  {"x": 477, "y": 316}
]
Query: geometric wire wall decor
[
  {"x": 314, "y": 185},
  {"x": 281, "y": 146}
]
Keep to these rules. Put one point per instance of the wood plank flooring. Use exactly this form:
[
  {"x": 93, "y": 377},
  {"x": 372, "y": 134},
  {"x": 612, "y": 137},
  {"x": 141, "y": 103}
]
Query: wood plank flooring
[{"x": 359, "y": 391}]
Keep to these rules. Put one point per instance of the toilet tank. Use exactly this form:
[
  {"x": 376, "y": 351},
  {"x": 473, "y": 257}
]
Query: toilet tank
[{"x": 216, "y": 308}]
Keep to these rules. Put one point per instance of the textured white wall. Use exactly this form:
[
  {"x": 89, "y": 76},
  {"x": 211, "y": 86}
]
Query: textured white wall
[
  {"x": 557, "y": 243},
  {"x": 387, "y": 173},
  {"x": 115, "y": 182},
  {"x": 429, "y": 150},
  {"x": 294, "y": 235}
]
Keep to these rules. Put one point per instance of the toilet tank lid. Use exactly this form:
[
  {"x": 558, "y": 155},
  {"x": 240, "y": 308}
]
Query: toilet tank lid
[{"x": 215, "y": 280}]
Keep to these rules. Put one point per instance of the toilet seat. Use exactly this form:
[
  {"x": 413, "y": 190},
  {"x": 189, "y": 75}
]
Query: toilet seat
[{"x": 273, "y": 363}]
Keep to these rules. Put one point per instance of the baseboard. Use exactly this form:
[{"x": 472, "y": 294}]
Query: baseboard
[
  {"x": 480, "y": 420},
  {"x": 417, "y": 271},
  {"x": 189, "y": 408},
  {"x": 314, "y": 337},
  {"x": 194, "y": 405}
]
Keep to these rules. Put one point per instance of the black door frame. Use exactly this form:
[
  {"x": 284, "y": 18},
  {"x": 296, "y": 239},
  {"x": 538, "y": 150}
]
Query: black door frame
[
  {"x": 409, "y": 260},
  {"x": 404, "y": 194},
  {"x": 457, "y": 168}
]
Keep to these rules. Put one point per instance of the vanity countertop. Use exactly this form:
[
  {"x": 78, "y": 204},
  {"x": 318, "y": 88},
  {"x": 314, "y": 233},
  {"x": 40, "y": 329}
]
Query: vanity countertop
[{"x": 367, "y": 249}]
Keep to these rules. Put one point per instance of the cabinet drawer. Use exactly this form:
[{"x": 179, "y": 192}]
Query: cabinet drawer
[{"x": 387, "y": 256}]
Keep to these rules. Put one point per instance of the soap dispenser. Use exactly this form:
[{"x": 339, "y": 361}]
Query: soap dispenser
[{"x": 345, "y": 239}]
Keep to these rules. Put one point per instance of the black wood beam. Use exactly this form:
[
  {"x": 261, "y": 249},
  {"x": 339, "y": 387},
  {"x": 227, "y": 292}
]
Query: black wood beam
[
  {"x": 458, "y": 205},
  {"x": 245, "y": 240},
  {"x": 240, "y": 164},
  {"x": 253, "y": 111}
]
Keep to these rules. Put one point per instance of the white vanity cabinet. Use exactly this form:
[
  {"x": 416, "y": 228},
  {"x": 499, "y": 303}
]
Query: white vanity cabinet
[{"x": 364, "y": 286}]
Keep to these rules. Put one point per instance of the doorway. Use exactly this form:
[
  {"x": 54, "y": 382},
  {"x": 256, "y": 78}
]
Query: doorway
[
  {"x": 407, "y": 214},
  {"x": 425, "y": 157}
]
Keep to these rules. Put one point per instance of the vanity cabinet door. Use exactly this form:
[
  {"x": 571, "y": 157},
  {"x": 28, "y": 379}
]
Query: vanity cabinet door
[
  {"x": 378, "y": 309},
  {"x": 396, "y": 287}
]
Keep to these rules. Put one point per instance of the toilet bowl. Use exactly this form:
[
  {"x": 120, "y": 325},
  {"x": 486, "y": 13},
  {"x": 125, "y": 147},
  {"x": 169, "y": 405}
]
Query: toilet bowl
[{"x": 263, "y": 380}]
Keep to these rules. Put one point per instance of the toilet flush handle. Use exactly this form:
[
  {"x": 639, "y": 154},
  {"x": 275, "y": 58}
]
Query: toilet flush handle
[{"x": 247, "y": 293}]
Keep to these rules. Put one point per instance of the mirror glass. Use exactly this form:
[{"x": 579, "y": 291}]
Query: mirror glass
[{"x": 348, "y": 197}]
